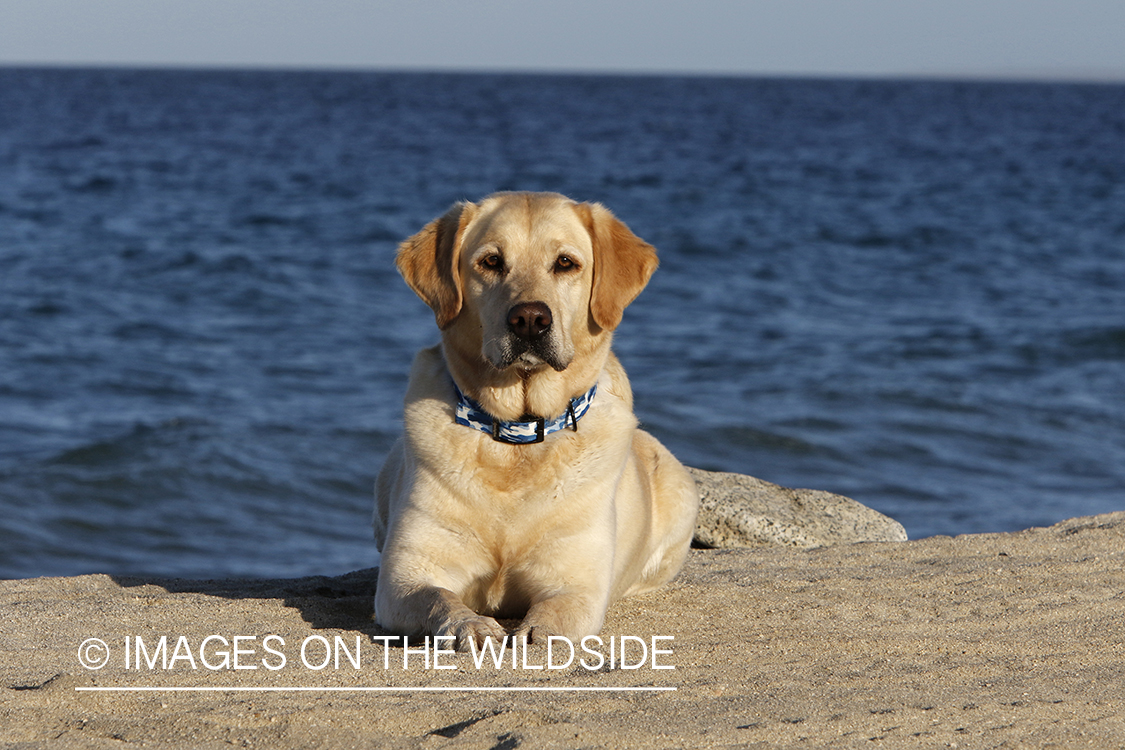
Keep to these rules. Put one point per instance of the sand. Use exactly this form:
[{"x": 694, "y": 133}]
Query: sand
[{"x": 994, "y": 640}]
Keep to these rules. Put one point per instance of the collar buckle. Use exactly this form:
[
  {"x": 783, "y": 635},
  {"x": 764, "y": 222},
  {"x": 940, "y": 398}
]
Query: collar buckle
[{"x": 539, "y": 431}]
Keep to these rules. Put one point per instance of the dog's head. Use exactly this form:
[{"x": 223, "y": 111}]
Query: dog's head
[{"x": 526, "y": 281}]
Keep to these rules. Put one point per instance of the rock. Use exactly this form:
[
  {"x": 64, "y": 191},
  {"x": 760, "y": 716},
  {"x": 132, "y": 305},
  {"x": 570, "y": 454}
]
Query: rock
[{"x": 736, "y": 510}]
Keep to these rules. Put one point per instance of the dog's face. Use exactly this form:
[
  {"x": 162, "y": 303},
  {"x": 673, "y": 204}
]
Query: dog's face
[
  {"x": 526, "y": 281},
  {"x": 527, "y": 270}
]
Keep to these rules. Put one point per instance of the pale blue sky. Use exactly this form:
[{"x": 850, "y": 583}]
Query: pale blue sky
[{"x": 1052, "y": 39}]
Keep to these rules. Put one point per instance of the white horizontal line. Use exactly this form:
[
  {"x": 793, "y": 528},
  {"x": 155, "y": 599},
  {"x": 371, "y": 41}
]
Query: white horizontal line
[{"x": 132, "y": 689}]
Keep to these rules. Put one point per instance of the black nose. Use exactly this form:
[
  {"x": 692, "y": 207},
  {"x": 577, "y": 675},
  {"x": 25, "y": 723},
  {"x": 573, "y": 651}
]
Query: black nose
[{"x": 529, "y": 320}]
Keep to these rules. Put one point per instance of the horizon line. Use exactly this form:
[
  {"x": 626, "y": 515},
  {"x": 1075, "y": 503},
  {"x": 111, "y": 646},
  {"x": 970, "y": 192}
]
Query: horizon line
[{"x": 1105, "y": 77}]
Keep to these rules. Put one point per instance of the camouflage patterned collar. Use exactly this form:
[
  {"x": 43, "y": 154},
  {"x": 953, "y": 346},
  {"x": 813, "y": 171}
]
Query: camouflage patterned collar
[{"x": 472, "y": 414}]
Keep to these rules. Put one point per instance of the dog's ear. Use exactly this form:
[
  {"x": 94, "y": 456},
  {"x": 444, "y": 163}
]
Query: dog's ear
[
  {"x": 428, "y": 261},
  {"x": 623, "y": 264}
]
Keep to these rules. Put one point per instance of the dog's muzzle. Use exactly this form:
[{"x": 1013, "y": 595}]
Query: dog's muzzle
[{"x": 529, "y": 340}]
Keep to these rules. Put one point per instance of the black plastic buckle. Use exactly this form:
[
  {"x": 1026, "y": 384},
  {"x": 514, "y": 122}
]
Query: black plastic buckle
[{"x": 539, "y": 428}]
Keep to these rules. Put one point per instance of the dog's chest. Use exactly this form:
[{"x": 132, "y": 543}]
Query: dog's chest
[{"x": 529, "y": 473}]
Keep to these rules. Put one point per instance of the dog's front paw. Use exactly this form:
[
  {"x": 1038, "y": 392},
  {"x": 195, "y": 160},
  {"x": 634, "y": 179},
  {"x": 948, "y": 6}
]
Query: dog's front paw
[
  {"x": 569, "y": 616},
  {"x": 473, "y": 629}
]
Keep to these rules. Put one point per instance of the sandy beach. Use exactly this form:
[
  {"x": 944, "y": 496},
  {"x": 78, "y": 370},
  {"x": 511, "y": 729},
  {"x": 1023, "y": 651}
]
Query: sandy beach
[{"x": 995, "y": 640}]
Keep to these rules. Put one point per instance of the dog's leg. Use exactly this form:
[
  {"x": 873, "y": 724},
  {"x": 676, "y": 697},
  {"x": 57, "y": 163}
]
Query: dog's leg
[
  {"x": 450, "y": 616},
  {"x": 674, "y": 503},
  {"x": 573, "y": 615},
  {"x": 437, "y": 611}
]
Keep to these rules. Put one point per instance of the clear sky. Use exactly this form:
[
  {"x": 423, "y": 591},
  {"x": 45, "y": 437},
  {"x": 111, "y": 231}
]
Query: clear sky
[{"x": 1046, "y": 39}]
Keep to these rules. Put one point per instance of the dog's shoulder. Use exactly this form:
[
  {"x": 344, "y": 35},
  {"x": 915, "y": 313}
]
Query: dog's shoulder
[
  {"x": 615, "y": 382},
  {"x": 430, "y": 398},
  {"x": 428, "y": 368},
  {"x": 430, "y": 383}
]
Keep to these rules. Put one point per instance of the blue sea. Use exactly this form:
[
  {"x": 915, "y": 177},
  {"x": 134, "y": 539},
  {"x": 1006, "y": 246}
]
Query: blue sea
[{"x": 909, "y": 293}]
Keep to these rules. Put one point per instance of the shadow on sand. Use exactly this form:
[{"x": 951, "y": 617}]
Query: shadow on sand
[{"x": 338, "y": 602}]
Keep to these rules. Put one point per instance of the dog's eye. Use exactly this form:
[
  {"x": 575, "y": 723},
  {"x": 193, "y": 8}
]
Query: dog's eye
[
  {"x": 565, "y": 263},
  {"x": 492, "y": 262}
]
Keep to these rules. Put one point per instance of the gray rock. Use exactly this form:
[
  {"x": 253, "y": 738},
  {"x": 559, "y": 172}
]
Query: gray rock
[{"x": 736, "y": 510}]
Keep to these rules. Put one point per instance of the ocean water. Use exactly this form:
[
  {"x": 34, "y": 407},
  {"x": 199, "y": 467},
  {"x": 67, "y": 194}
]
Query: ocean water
[{"x": 910, "y": 293}]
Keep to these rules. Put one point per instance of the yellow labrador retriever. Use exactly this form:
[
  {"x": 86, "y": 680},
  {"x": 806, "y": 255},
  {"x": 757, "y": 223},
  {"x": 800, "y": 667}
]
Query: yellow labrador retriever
[{"x": 522, "y": 487}]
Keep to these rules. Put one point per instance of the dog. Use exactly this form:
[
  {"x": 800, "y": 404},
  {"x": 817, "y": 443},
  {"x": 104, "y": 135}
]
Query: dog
[{"x": 522, "y": 487}]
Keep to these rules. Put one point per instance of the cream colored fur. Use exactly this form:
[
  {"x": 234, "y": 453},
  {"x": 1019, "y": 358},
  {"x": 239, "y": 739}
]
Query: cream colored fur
[{"x": 471, "y": 529}]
